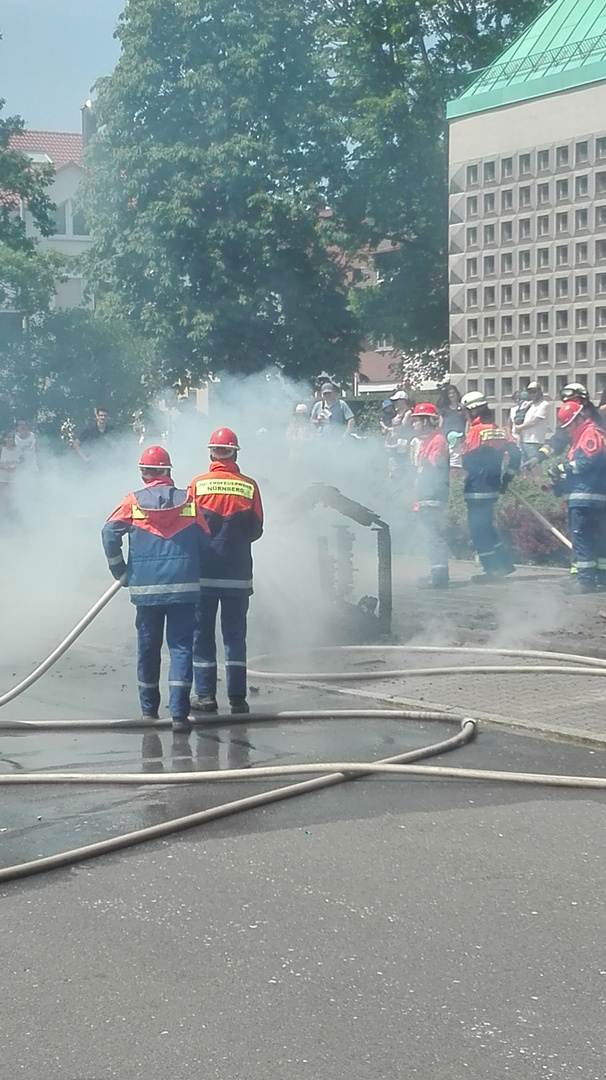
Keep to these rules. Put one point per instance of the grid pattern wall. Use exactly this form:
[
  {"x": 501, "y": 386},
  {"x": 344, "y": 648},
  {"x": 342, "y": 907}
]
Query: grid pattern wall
[{"x": 527, "y": 268}]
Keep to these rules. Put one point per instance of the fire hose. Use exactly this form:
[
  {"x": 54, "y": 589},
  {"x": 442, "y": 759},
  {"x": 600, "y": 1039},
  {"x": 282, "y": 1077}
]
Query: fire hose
[{"x": 331, "y": 773}]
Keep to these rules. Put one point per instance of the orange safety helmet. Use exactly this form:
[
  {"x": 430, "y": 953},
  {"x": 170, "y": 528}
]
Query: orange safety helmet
[
  {"x": 225, "y": 438},
  {"x": 425, "y": 408},
  {"x": 155, "y": 457},
  {"x": 569, "y": 412}
]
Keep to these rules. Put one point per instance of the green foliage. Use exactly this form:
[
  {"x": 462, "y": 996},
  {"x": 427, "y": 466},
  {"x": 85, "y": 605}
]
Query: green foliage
[
  {"x": 207, "y": 176},
  {"x": 67, "y": 362},
  {"x": 397, "y": 63},
  {"x": 27, "y": 276}
]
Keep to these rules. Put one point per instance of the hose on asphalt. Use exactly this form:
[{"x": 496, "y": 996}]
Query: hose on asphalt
[{"x": 337, "y": 772}]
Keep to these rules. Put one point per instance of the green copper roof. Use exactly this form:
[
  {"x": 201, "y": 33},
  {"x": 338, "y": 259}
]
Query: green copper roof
[{"x": 565, "y": 47}]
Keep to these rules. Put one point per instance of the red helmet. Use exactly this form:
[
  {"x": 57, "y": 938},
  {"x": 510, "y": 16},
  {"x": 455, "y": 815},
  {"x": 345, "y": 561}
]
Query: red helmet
[
  {"x": 155, "y": 457},
  {"x": 223, "y": 437},
  {"x": 425, "y": 408},
  {"x": 569, "y": 412}
]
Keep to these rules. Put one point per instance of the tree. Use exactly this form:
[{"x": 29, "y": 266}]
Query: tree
[
  {"x": 208, "y": 176},
  {"x": 70, "y": 360},
  {"x": 396, "y": 64},
  {"x": 27, "y": 276}
]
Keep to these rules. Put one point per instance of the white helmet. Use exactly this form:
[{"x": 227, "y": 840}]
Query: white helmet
[{"x": 473, "y": 400}]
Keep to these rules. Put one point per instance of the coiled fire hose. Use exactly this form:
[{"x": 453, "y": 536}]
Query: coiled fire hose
[{"x": 336, "y": 772}]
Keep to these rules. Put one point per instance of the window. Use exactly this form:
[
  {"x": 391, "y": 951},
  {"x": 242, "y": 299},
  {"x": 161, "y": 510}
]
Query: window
[
  {"x": 543, "y": 225},
  {"x": 79, "y": 226},
  {"x": 561, "y": 156},
  {"x": 543, "y": 353},
  {"x": 489, "y": 384},
  {"x": 489, "y": 361},
  {"x": 600, "y": 215},
  {"x": 472, "y": 385},
  {"x": 600, "y": 148},
  {"x": 581, "y": 253},
  {"x": 507, "y": 294},
  {"x": 472, "y": 268},
  {"x": 472, "y": 358},
  {"x": 524, "y": 292},
  {"x": 472, "y": 175},
  {"x": 561, "y": 352},
  {"x": 542, "y": 322},
  {"x": 489, "y": 265},
  {"x": 506, "y": 387},
  {"x": 524, "y": 260},
  {"x": 561, "y": 223},
  {"x": 561, "y": 189},
  {"x": 489, "y": 203},
  {"x": 581, "y": 350},
  {"x": 542, "y": 160},
  {"x": 581, "y": 187},
  {"x": 489, "y": 234},
  {"x": 600, "y": 250},
  {"x": 600, "y": 316},
  {"x": 561, "y": 382},
  {"x": 472, "y": 298},
  {"x": 600, "y": 350},
  {"x": 561, "y": 320},
  {"x": 472, "y": 328},
  {"x": 525, "y": 228},
  {"x": 581, "y": 152},
  {"x": 59, "y": 218},
  {"x": 472, "y": 237},
  {"x": 600, "y": 183},
  {"x": 562, "y": 255},
  {"x": 581, "y": 220},
  {"x": 524, "y": 161},
  {"x": 489, "y": 171},
  {"x": 543, "y": 289},
  {"x": 506, "y": 263},
  {"x": 581, "y": 318},
  {"x": 489, "y": 296},
  {"x": 472, "y": 206},
  {"x": 507, "y": 199},
  {"x": 489, "y": 327},
  {"x": 581, "y": 285},
  {"x": 506, "y": 231},
  {"x": 524, "y": 354},
  {"x": 542, "y": 193},
  {"x": 542, "y": 258},
  {"x": 561, "y": 287},
  {"x": 506, "y": 168},
  {"x": 507, "y": 324},
  {"x": 507, "y": 358},
  {"x": 524, "y": 324},
  {"x": 524, "y": 196}
]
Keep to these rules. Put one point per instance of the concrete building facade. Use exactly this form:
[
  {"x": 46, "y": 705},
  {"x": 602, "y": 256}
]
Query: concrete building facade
[{"x": 527, "y": 213}]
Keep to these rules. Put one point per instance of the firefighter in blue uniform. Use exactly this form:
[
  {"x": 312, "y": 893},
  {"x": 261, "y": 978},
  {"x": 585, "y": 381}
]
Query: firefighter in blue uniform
[
  {"x": 168, "y": 544},
  {"x": 582, "y": 480},
  {"x": 490, "y": 461},
  {"x": 230, "y": 504}
]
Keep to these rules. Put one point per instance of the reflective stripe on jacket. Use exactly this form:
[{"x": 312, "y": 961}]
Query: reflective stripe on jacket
[
  {"x": 230, "y": 505},
  {"x": 585, "y": 470},
  {"x": 168, "y": 544},
  {"x": 489, "y": 457}
]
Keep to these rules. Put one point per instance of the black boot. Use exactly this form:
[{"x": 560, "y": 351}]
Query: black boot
[
  {"x": 206, "y": 703},
  {"x": 239, "y": 705}
]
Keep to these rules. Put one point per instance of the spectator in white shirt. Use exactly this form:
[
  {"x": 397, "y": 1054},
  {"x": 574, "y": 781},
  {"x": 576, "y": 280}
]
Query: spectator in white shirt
[{"x": 533, "y": 430}]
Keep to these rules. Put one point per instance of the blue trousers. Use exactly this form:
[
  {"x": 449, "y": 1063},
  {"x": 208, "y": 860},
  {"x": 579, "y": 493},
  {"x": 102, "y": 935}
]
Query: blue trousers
[
  {"x": 431, "y": 519},
  {"x": 485, "y": 538},
  {"x": 233, "y": 630},
  {"x": 180, "y": 622},
  {"x": 588, "y": 534}
]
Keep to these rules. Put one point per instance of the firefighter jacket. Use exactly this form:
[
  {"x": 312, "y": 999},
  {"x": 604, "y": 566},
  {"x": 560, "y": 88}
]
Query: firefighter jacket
[
  {"x": 230, "y": 505},
  {"x": 584, "y": 474},
  {"x": 490, "y": 459},
  {"x": 168, "y": 544},
  {"x": 433, "y": 472}
]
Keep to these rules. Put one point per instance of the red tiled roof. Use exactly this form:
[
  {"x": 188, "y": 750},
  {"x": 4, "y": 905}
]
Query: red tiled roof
[{"x": 62, "y": 147}]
